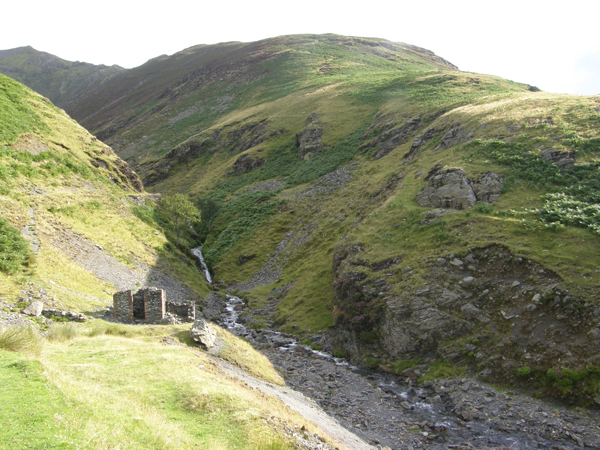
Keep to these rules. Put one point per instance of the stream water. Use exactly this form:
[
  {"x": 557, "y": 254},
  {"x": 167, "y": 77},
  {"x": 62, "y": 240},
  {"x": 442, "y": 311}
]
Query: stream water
[
  {"x": 198, "y": 254},
  {"x": 395, "y": 411}
]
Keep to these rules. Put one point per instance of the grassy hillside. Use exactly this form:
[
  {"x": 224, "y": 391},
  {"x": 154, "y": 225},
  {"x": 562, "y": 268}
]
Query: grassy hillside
[
  {"x": 134, "y": 387},
  {"x": 62, "y": 190},
  {"x": 319, "y": 163}
]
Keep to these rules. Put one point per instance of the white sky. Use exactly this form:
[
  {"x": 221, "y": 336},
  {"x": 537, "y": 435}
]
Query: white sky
[{"x": 552, "y": 44}]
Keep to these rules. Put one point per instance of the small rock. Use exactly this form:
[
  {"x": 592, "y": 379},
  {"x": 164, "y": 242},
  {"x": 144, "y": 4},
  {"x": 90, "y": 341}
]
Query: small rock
[
  {"x": 516, "y": 283},
  {"x": 470, "y": 311},
  {"x": 456, "y": 262},
  {"x": 597, "y": 312},
  {"x": 531, "y": 307},
  {"x": 536, "y": 298},
  {"x": 442, "y": 261},
  {"x": 99, "y": 247},
  {"x": 595, "y": 334},
  {"x": 468, "y": 279}
]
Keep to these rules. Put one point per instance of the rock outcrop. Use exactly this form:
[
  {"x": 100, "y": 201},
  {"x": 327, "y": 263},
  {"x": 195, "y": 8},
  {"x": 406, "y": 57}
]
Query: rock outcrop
[
  {"x": 487, "y": 188},
  {"x": 392, "y": 138},
  {"x": 245, "y": 163},
  {"x": 448, "y": 189},
  {"x": 309, "y": 140},
  {"x": 563, "y": 160},
  {"x": 451, "y": 189}
]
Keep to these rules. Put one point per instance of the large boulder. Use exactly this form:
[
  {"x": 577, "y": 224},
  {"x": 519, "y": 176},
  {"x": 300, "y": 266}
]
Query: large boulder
[
  {"x": 33, "y": 309},
  {"x": 203, "y": 333},
  {"x": 449, "y": 188}
]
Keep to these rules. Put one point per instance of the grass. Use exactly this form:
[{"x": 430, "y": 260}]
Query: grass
[
  {"x": 23, "y": 339},
  {"x": 14, "y": 249},
  {"x": 106, "y": 391},
  {"x": 242, "y": 354},
  {"x": 63, "y": 332}
]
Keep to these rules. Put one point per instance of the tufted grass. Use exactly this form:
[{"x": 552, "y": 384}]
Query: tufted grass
[{"x": 23, "y": 339}]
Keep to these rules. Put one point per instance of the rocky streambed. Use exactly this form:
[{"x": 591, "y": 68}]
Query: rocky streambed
[{"x": 401, "y": 413}]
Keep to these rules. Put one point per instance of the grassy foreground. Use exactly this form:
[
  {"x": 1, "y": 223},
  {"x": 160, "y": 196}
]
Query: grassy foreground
[{"x": 122, "y": 387}]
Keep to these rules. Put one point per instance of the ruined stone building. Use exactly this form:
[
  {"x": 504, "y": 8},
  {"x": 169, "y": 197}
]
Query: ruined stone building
[{"x": 150, "y": 306}]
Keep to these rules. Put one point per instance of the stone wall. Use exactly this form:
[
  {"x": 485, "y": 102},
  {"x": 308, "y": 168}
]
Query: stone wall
[
  {"x": 150, "y": 306},
  {"x": 123, "y": 306},
  {"x": 154, "y": 302},
  {"x": 186, "y": 310}
]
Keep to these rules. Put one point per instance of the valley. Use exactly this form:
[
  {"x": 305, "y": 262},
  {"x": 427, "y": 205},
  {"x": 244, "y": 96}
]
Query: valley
[{"x": 415, "y": 247}]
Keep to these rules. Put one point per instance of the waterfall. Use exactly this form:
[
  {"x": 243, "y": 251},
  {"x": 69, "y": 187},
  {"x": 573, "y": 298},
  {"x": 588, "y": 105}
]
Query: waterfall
[{"x": 198, "y": 253}]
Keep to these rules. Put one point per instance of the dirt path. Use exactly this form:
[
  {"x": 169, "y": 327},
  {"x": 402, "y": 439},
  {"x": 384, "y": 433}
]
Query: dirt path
[{"x": 301, "y": 404}]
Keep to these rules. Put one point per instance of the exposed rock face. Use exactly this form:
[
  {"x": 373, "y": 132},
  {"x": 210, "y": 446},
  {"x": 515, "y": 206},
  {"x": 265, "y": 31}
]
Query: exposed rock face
[
  {"x": 309, "y": 140},
  {"x": 486, "y": 308},
  {"x": 487, "y": 188},
  {"x": 416, "y": 327},
  {"x": 453, "y": 136},
  {"x": 451, "y": 189},
  {"x": 421, "y": 140},
  {"x": 203, "y": 333},
  {"x": 448, "y": 189},
  {"x": 233, "y": 140},
  {"x": 390, "y": 139},
  {"x": 563, "y": 160},
  {"x": 246, "y": 163},
  {"x": 33, "y": 309}
]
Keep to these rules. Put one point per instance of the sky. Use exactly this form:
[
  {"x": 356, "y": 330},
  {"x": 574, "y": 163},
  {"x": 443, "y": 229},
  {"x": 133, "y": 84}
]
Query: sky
[{"x": 551, "y": 44}]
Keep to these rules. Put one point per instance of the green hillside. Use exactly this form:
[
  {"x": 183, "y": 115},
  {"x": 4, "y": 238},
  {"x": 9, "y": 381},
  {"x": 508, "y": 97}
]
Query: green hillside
[
  {"x": 70, "y": 224},
  {"x": 372, "y": 192}
]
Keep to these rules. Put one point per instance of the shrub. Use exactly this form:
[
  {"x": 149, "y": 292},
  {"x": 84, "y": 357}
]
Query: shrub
[
  {"x": 21, "y": 339},
  {"x": 523, "y": 371}
]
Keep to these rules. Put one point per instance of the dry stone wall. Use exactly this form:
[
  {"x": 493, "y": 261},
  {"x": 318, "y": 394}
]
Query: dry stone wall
[{"x": 150, "y": 306}]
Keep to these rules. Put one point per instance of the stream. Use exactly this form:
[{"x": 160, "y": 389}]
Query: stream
[{"x": 398, "y": 412}]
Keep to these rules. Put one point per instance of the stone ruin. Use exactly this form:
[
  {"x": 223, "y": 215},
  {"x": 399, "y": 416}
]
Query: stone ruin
[{"x": 150, "y": 306}]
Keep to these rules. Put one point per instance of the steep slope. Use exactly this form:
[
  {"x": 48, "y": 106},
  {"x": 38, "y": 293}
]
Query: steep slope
[
  {"x": 424, "y": 215},
  {"x": 383, "y": 204},
  {"x": 74, "y": 201},
  {"x": 74, "y": 227}
]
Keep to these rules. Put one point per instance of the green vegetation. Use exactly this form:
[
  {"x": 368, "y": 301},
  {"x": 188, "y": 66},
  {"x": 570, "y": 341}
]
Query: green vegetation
[
  {"x": 178, "y": 212},
  {"x": 21, "y": 339},
  {"x": 574, "y": 194},
  {"x": 15, "y": 253}
]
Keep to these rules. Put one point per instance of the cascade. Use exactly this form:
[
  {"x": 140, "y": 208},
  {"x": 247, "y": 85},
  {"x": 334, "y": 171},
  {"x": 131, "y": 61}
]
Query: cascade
[{"x": 198, "y": 254}]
